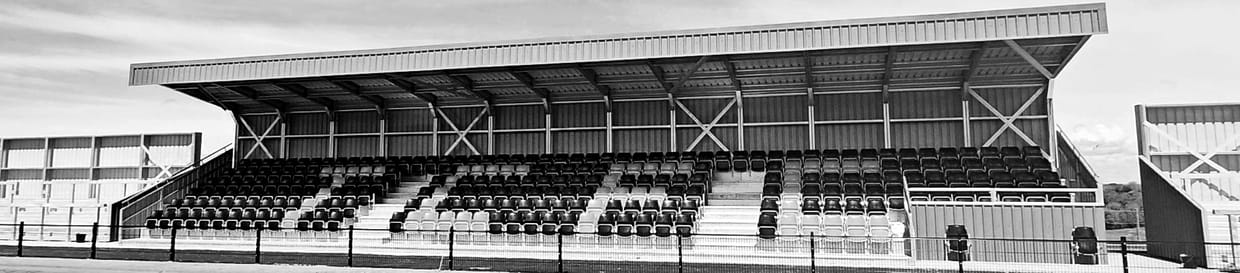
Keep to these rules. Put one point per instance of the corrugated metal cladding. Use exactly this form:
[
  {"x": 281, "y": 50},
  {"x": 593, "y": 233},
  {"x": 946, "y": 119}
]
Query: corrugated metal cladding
[
  {"x": 517, "y": 117},
  {"x": 68, "y": 174},
  {"x": 461, "y": 117},
  {"x": 71, "y": 142},
  {"x": 1006, "y": 222},
  {"x": 357, "y": 146},
  {"x": 409, "y": 145},
  {"x": 579, "y": 141},
  {"x": 10, "y": 175},
  {"x": 259, "y": 124},
  {"x": 727, "y": 135},
  {"x": 119, "y": 141},
  {"x": 1072, "y": 167},
  {"x": 1193, "y": 114},
  {"x": 1219, "y": 228},
  {"x": 776, "y": 137},
  {"x": 357, "y": 122},
  {"x": 418, "y": 120},
  {"x": 117, "y": 173},
  {"x": 925, "y": 104},
  {"x": 170, "y": 140},
  {"x": 1172, "y": 218},
  {"x": 706, "y": 109},
  {"x": 479, "y": 141},
  {"x": 640, "y": 113},
  {"x": 307, "y": 147},
  {"x": 272, "y": 145},
  {"x": 848, "y": 136},
  {"x": 307, "y": 124},
  {"x": 776, "y": 109},
  {"x": 960, "y": 27},
  {"x": 1007, "y": 100},
  {"x": 927, "y": 134},
  {"x": 1036, "y": 130},
  {"x": 24, "y": 144},
  {"x": 859, "y": 106},
  {"x": 1200, "y": 137},
  {"x": 643, "y": 140},
  {"x": 578, "y": 115},
  {"x": 1216, "y": 187},
  {"x": 520, "y": 143}
]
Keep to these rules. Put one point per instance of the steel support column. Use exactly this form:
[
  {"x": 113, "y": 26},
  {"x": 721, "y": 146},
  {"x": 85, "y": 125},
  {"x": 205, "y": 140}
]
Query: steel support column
[
  {"x": 740, "y": 121},
  {"x": 434, "y": 129},
  {"x": 813, "y": 138},
  {"x": 965, "y": 114},
  {"x": 1053, "y": 138},
  {"x": 547, "y": 132}
]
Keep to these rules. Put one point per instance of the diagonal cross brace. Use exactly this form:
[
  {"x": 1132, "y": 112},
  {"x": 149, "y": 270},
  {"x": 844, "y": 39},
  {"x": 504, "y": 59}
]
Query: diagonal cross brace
[
  {"x": 258, "y": 142},
  {"x": 706, "y": 129},
  {"x": 461, "y": 134},
  {"x": 165, "y": 171},
  {"x": 1201, "y": 159},
  {"x": 1008, "y": 121}
]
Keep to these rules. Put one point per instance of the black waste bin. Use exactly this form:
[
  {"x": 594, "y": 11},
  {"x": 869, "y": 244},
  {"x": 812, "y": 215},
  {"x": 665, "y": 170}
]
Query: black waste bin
[{"x": 80, "y": 237}]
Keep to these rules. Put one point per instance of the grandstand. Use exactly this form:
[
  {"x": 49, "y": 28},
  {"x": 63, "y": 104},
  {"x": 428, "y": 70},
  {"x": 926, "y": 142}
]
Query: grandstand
[
  {"x": 53, "y": 182},
  {"x": 1188, "y": 159},
  {"x": 872, "y": 131}
]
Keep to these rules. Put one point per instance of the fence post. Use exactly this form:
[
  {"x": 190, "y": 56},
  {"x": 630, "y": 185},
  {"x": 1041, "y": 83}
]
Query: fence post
[
  {"x": 1123, "y": 252},
  {"x": 680, "y": 254},
  {"x": 451, "y": 247},
  {"x": 258, "y": 246},
  {"x": 960, "y": 262},
  {"x": 350, "y": 245},
  {"x": 813, "y": 260},
  {"x": 172, "y": 244},
  {"x": 94, "y": 238},
  {"x": 21, "y": 237},
  {"x": 559, "y": 260}
]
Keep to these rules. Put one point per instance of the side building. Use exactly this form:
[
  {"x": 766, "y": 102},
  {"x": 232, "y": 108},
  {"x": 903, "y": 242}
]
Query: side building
[
  {"x": 50, "y": 183},
  {"x": 1189, "y": 160}
]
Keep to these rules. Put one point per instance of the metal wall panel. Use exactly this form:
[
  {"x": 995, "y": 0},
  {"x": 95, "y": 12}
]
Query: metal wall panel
[
  {"x": 409, "y": 145},
  {"x": 1053, "y": 222},
  {"x": 357, "y": 122},
  {"x": 117, "y": 174},
  {"x": 26, "y": 174},
  {"x": 357, "y": 146},
  {"x": 245, "y": 145},
  {"x": 417, "y": 120},
  {"x": 942, "y": 28},
  {"x": 520, "y": 143},
  {"x": 478, "y": 140},
  {"x": 1036, "y": 130},
  {"x": 643, "y": 140},
  {"x": 120, "y": 156},
  {"x": 775, "y": 109},
  {"x": 1007, "y": 100},
  {"x": 1199, "y": 137},
  {"x": 727, "y": 135},
  {"x": 640, "y": 113},
  {"x": 119, "y": 141},
  {"x": 927, "y": 134},
  {"x": 24, "y": 144},
  {"x": 849, "y": 136},
  {"x": 925, "y": 104},
  {"x": 593, "y": 141},
  {"x": 68, "y": 174},
  {"x": 1205, "y": 113},
  {"x": 71, "y": 157},
  {"x": 307, "y": 147},
  {"x": 1172, "y": 217},
  {"x": 307, "y": 124},
  {"x": 516, "y": 117},
  {"x": 70, "y": 142},
  {"x": 461, "y": 117},
  {"x": 705, "y": 110},
  {"x": 776, "y": 137},
  {"x": 258, "y": 123},
  {"x": 578, "y": 115},
  {"x": 25, "y": 158},
  {"x": 848, "y": 106}
]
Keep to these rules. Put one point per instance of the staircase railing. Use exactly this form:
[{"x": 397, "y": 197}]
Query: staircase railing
[{"x": 133, "y": 210}]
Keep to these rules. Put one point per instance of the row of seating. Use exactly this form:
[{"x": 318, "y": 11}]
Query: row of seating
[
  {"x": 830, "y": 206},
  {"x": 325, "y": 219},
  {"x": 230, "y": 201},
  {"x": 262, "y": 179},
  {"x": 1057, "y": 197},
  {"x": 472, "y": 204},
  {"x": 215, "y": 218},
  {"x": 980, "y": 179},
  {"x": 832, "y": 226},
  {"x": 520, "y": 180}
]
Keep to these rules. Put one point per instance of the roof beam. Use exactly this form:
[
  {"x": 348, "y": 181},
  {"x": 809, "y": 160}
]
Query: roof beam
[
  {"x": 467, "y": 84},
  {"x": 808, "y": 69},
  {"x": 250, "y": 93},
  {"x": 528, "y": 81},
  {"x": 1071, "y": 54},
  {"x": 888, "y": 66},
  {"x": 731, "y": 67},
  {"x": 975, "y": 60},
  {"x": 688, "y": 74},
  {"x": 407, "y": 86},
  {"x": 356, "y": 91},
  {"x": 1029, "y": 58},
  {"x": 301, "y": 91}
]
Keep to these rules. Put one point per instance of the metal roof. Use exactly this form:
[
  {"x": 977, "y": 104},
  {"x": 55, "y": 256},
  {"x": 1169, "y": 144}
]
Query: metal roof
[{"x": 844, "y": 55}]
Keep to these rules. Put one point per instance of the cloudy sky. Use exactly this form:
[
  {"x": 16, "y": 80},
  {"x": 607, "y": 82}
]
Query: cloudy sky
[{"x": 63, "y": 64}]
